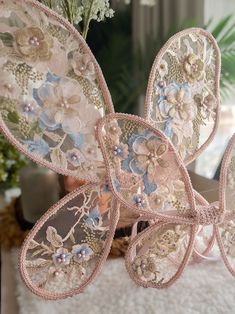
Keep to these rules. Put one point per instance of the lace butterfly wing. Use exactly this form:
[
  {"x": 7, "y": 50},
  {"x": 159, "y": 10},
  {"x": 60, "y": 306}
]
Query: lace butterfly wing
[
  {"x": 52, "y": 91},
  {"x": 226, "y": 231},
  {"x": 157, "y": 256},
  {"x": 183, "y": 91},
  {"x": 144, "y": 170},
  {"x": 66, "y": 248}
]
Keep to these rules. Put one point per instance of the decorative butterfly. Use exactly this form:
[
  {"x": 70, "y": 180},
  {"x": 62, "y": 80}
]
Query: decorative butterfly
[{"x": 57, "y": 110}]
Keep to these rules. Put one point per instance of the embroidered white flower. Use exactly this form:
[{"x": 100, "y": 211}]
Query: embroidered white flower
[{"x": 83, "y": 65}]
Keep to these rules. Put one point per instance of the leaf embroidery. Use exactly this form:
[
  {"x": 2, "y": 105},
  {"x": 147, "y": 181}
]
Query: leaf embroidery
[{"x": 53, "y": 237}]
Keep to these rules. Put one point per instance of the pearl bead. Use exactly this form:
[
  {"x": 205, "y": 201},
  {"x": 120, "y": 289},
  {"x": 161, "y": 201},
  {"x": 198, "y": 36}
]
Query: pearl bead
[
  {"x": 74, "y": 157},
  {"x": 158, "y": 201},
  {"x": 56, "y": 273},
  {"x": 113, "y": 129},
  {"x": 28, "y": 108},
  {"x": 161, "y": 84},
  {"x": 9, "y": 86},
  {"x": 33, "y": 41}
]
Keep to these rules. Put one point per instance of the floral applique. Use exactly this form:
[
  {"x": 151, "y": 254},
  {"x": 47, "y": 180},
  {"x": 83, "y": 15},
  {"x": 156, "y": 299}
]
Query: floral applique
[
  {"x": 52, "y": 83},
  {"x": 183, "y": 97},
  {"x": 163, "y": 244},
  {"x": 228, "y": 236},
  {"x": 194, "y": 68},
  {"x": 33, "y": 44},
  {"x": 61, "y": 257},
  {"x": 141, "y": 171},
  {"x": 83, "y": 66}
]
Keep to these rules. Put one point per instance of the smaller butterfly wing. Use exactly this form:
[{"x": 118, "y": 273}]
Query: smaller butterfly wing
[
  {"x": 183, "y": 91},
  {"x": 158, "y": 255},
  {"x": 65, "y": 250},
  {"x": 144, "y": 170}
]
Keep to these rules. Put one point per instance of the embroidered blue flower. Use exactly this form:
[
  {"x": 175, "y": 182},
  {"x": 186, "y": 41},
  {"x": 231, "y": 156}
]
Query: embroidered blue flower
[
  {"x": 105, "y": 188},
  {"x": 120, "y": 151},
  {"x": 51, "y": 77},
  {"x": 149, "y": 187},
  {"x": 78, "y": 139},
  {"x": 125, "y": 164},
  {"x": 116, "y": 185},
  {"x": 94, "y": 217},
  {"x": 81, "y": 252},
  {"x": 139, "y": 201},
  {"x": 61, "y": 257},
  {"x": 175, "y": 102},
  {"x": 38, "y": 146}
]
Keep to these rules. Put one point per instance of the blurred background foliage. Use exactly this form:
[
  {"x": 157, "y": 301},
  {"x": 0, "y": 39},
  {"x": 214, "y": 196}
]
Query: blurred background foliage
[{"x": 126, "y": 71}]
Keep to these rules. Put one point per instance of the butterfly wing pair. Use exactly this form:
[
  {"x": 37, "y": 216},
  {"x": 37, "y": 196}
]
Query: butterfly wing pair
[{"x": 56, "y": 109}]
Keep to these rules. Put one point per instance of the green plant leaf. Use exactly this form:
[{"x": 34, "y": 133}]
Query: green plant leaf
[
  {"x": 219, "y": 28},
  {"x": 7, "y": 39}
]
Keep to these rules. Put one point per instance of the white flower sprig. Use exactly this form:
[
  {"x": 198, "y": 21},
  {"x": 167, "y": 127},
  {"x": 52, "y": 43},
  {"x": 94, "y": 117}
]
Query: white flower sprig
[
  {"x": 96, "y": 10},
  {"x": 77, "y": 11}
]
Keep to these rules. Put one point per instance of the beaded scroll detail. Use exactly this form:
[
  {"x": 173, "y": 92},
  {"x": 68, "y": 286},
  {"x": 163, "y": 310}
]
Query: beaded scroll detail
[{"x": 183, "y": 92}]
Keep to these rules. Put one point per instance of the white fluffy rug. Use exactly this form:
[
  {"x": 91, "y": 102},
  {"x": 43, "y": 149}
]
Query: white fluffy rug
[{"x": 205, "y": 288}]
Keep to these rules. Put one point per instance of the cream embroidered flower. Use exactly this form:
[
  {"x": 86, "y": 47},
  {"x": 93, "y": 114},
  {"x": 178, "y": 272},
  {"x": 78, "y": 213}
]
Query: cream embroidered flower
[
  {"x": 33, "y": 44},
  {"x": 83, "y": 65},
  {"x": 162, "y": 68},
  {"x": 178, "y": 103},
  {"x": 75, "y": 157},
  {"x": 29, "y": 109},
  {"x": 65, "y": 105},
  {"x": 8, "y": 86},
  {"x": 146, "y": 267},
  {"x": 91, "y": 150},
  {"x": 194, "y": 68},
  {"x": 149, "y": 153},
  {"x": 209, "y": 105},
  {"x": 167, "y": 241}
]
